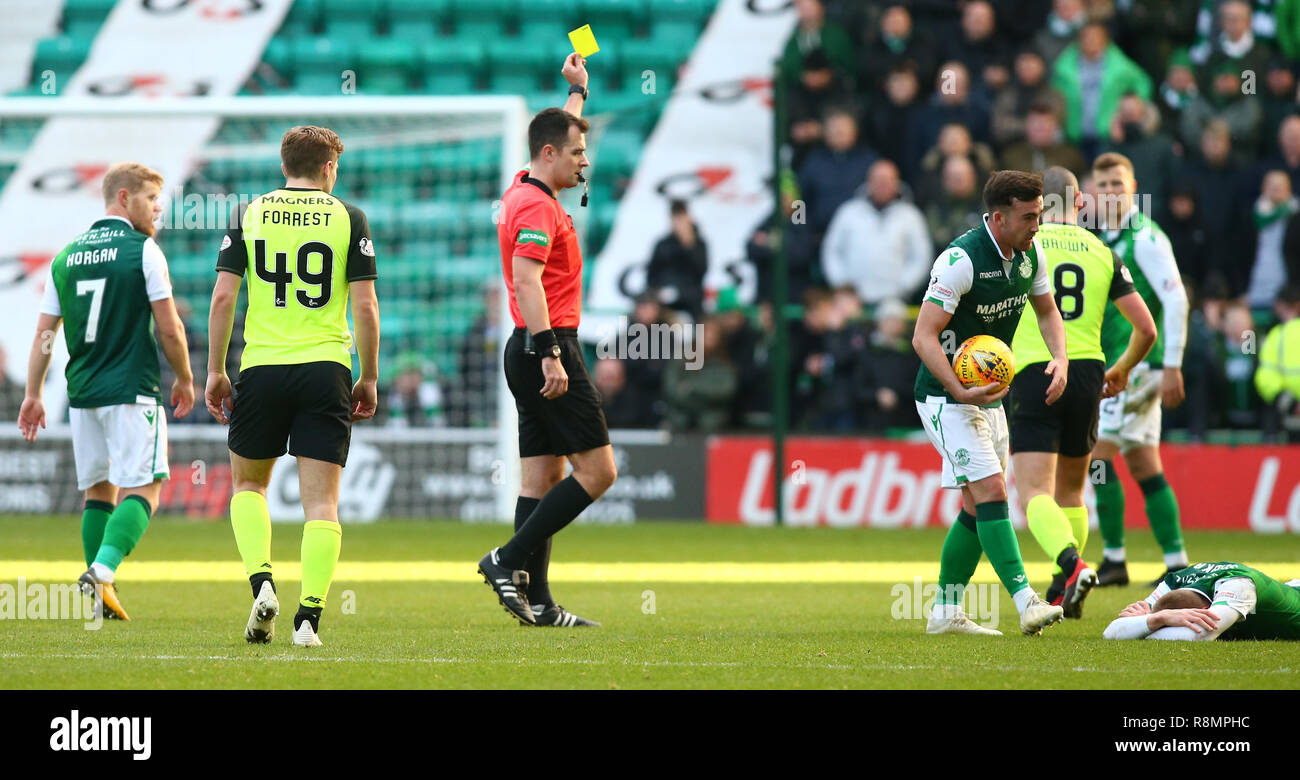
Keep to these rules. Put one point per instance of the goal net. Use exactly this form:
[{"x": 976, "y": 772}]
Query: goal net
[{"x": 428, "y": 173}]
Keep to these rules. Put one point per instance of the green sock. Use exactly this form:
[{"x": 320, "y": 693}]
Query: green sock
[
  {"x": 1078, "y": 517},
  {"x": 1110, "y": 506},
  {"x": 123, "y": 530},
  {"x": 961, "y": 554},
  {"x": 998, "y": 538},
  {"x": 1050, "y": 527},
  {"x": 93, "y": 519},
  {"x": 251, "y": 521},
  {"x": 321, "y": 540},
  {"x": 1162, "y": 512}
]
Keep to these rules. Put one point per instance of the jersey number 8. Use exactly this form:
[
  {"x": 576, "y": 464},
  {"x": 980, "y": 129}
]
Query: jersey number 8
[
  {"x": 1074, "y": 292},
  {"x": 281, "y": 277}
]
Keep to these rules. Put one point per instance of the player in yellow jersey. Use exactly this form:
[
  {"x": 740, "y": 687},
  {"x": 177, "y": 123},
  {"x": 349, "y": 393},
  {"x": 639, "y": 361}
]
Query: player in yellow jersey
[
  {"x": 303, "y": 252},
  {"x": 1050, "y": 443}
]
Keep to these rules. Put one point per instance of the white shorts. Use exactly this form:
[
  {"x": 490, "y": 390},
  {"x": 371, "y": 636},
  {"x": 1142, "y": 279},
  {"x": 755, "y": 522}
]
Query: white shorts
[
  {"x": 125, "y": 444},
  {"x": 973, "y": 440},
  {"x": 1132, "y": 418}
]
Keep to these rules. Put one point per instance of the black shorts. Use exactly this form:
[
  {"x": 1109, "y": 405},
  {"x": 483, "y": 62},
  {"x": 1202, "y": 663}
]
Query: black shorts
[
  {"x": 308, "y": 405},
  {"x": 1067, "y": 427},
  {"x": 574, "y": 422}
]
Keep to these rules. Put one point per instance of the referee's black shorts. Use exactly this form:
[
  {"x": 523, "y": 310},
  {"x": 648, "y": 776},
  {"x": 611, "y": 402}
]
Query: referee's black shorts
[
  {"x": 307, "y": 405},
  {"x": 572, "y": 423},
  {"x": 1067, "y": 427}
]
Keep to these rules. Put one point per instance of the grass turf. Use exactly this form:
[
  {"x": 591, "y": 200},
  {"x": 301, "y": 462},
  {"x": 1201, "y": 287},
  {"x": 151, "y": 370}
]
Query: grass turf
[{"x": 447, "y": 631}]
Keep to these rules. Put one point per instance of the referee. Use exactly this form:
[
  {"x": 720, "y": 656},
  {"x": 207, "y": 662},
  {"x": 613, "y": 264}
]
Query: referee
[
  {"x": 303, "y": 253},
  {"x": 559, "y": 410}
]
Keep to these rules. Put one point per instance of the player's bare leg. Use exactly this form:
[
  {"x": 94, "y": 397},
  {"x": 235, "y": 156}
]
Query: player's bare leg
[
  {"x": 1160, "y": 503},
  {"x": 322, "y": 538},
  {"x": 251, "y": 521},
  {"x": 122, "y": 532}
]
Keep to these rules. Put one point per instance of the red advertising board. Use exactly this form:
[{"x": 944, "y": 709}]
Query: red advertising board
[{"x": 885, "y": 483}]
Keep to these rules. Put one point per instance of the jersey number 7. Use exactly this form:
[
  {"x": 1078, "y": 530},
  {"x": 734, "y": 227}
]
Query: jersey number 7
[{"x": 281, "y": 277}]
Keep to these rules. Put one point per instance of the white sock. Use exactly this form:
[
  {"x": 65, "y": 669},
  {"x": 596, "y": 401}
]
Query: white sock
[
  {"x": 1176, "y": 560},
  {"x": 1022, "y": 598},
  {"x": 1115, "y": 554},
  {"x": 945, "y": 611},
  {"x": 101, "y": 572}
]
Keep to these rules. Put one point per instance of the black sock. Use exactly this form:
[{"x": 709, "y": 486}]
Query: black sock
[
  {"x": 556, "y": 509},
  {"x": 1067, "y": 560},
  {"x": 256, "y": 581},
  {"x": 309, "y": 614},
  {"x": 539, "y": 590}
]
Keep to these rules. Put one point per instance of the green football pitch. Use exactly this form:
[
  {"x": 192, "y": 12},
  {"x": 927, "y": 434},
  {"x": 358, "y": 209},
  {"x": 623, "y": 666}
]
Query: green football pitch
[{"x": 683, "y": 606}]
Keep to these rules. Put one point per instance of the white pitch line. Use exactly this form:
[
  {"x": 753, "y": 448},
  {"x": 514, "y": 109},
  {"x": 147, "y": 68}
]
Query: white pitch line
[{"x": 594, "y": 662}]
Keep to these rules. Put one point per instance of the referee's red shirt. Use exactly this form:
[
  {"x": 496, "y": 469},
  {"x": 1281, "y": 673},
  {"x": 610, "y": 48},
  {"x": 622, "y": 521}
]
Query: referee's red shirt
[{"x": 532, "y": 223}]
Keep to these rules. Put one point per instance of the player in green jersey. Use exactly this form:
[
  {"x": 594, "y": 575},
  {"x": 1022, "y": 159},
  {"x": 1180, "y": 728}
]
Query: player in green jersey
[
  {"x": 1207, "y": 601},
  {"x": 1050, "y": 443},
  {"x": 980, "y": 285},
  {"x": 1130, "y": 422},
  {"x": 303, "y": 252},
  {"x": 106, "y": 285}
]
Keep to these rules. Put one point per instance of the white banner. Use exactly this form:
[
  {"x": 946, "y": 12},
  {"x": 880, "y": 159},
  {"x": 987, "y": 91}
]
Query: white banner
[
  {"x": 711, "y": 147},
  {"x": 146, "y": 48}
]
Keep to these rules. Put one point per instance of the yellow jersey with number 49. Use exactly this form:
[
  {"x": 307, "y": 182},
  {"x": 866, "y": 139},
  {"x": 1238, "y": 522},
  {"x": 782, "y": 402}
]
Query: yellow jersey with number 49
[
  {"x": 1085, "y": 274},
  {"x": 301, "y": 249}
]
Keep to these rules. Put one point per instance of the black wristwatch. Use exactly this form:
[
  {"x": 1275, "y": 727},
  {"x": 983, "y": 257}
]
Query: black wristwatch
[{"x": 578, "y": 89}]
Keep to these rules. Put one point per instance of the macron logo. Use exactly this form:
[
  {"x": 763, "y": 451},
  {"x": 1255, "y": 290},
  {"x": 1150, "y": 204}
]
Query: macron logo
[{"x": 95, "y": 734}]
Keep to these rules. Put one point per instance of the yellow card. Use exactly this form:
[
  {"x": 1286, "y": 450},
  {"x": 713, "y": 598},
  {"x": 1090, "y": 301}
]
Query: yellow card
[{"x": 584, "y": 41}]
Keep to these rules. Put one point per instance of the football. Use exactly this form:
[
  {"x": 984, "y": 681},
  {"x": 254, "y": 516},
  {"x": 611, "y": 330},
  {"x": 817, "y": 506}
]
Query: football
[{"x": 983, "y": 360}]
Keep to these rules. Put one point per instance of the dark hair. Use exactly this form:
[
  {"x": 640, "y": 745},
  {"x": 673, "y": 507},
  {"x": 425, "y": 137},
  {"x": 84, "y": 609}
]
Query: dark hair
[
  {"x": 1006, "y": 186},
  {"x": 677, "y": 207},
  {"x": 1043, "y": 107},
  {"x": 551, "y": 128},
  {"x": 1062, "y": 183},
  {"x": 1289, "y": 295},
  {"x": 304, "y": 149}
]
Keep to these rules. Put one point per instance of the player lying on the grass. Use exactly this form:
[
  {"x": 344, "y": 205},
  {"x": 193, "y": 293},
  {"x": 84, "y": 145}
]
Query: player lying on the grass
[
  {"x": 106, "y": 285},
  {"x": 1050, "y": 442},
  {"x": 1211, "y": 600},
  {"x": 979, "y": 285}
]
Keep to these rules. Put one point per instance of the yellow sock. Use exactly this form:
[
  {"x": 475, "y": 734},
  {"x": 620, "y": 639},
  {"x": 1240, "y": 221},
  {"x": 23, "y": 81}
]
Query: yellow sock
[
  {"x": 321, "y": 541},
  {"x": 251, "y": 521},
  {"x": 1050, "y": 527},
  {"x": 1078, "y": 517}
]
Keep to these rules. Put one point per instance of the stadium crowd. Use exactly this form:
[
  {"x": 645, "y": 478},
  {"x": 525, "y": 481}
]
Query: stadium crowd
[{"x": 898, "y": 112}]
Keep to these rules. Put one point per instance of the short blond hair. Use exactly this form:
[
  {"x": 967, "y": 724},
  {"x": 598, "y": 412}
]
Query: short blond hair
[
  {"x": 130, "y": 176},
  {"x": 304, "y": 149},
  {"x": 1112, "y": 160}
]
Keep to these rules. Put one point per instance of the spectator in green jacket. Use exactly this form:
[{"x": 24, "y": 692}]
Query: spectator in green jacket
[
  {"x": 1287, "y": 16},
  {"x": 813, "y": 32},
  {"x": 1094, "y": 74}
]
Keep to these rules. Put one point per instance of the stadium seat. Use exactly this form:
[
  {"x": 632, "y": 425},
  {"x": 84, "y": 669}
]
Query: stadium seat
[
  {"x": 662, "y": 58},
  {"x": 545, "y": 22},
  {"x": 353, "y": 20},
  {"x": 417, "y": 20},
  {"x": 484, "y": 20},
  {"x": 63, "y": 55},
  {"x": 302, "y": 20},
  {"x": 83, "y": 18},
  {"x": 279, "y": 55},
  {"x": 615, "y": 153},
  {"x": 452, "y": 66},
  {"x": 320, "y": 63},
  {"x": 387, "y": 65},
  {"x": 518, "y": 69},
  {"x": 615, "y": 20}
]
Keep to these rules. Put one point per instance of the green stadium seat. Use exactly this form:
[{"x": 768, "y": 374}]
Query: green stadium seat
[
  {"x": 518, "y": 69},
  {"x": 85, "y": 13},
  {"x": 548, "y": 21},
  {"x": 682, "y": 10},
  {"x": 662, "y": 58},
  {"x": 615, "y": 153},
  {"x": 320, "y": 63},
  {"x": 452, "y": 66},
  {"x": 353, "y": 20},
  {"x": 671, "y": 31},
  {"x": 614, "y": 20},
  {"x": 484, "y": 20},
  {"x": 387, "y": 65},
  {"x": 63, "y": 55},
  {"x": 82, "y": 28},
  {"x": 279, "y": 55},
  {"x": 417, "y": 20},
  {"x": 302, "y": 20}
]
